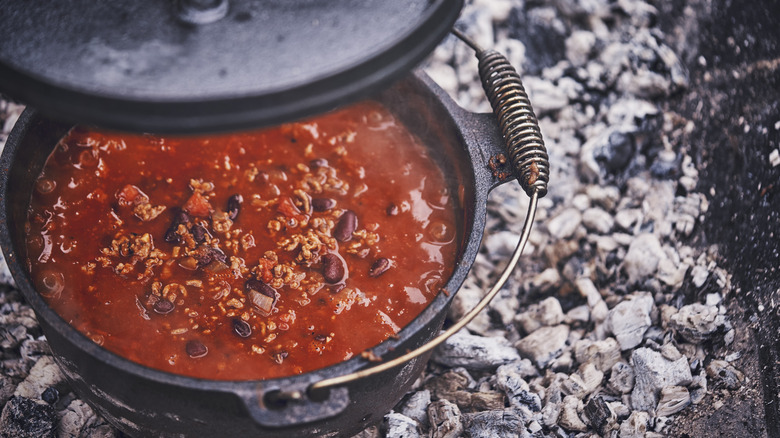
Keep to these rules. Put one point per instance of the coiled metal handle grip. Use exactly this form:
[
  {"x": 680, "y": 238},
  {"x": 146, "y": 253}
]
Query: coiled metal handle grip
[{"x": 516, "y": 118}]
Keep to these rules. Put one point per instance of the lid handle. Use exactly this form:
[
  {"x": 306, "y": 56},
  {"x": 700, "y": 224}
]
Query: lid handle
[{"x": 201, "y": 11}]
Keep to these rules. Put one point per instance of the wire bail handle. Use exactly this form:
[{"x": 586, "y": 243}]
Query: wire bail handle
[{"x": 529, "y": 160}]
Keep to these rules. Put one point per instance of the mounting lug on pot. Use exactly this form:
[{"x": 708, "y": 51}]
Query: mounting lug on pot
[
  {"x": 201, "y": 11},
  {"x": 286, "y": 407}
]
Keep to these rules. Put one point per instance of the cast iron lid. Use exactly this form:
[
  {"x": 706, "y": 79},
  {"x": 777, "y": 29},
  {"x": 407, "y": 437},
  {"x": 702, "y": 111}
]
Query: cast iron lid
[{"x": 185, "y": 66}]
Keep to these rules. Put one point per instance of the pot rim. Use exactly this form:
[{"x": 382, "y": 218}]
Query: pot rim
[{"x": 483, "y": 182}]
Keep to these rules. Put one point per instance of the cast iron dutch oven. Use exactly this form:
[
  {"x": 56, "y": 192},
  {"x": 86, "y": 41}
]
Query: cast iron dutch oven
[{"x": 146, "y": 402}]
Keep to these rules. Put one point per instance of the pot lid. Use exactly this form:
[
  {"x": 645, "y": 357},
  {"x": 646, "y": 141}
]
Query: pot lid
[{"x": 186, "y": 66}]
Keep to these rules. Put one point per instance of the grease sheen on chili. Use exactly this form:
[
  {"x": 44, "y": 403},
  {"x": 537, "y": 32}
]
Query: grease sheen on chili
[{"x": 250, "y": 255}]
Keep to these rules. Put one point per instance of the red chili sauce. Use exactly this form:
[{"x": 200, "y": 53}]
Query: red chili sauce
[{"x": 244, "y": 256}]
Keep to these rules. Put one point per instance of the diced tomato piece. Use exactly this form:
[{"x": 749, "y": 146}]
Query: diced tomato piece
[
  {"x": 265, "y": 267},
  {"x": 130, "y": 195},
  {"x": 197, "y": 206},
  {"x": 288, "y": 209}
]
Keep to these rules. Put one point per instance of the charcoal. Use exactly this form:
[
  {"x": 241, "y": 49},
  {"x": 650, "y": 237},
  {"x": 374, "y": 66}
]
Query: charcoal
[
  {"x": 544, "y": 345},
  {"x": 597, "y": 220},
  {"x": 570, "y": 417},
  {"x": 552, "y": 404},
  {"x": 26, "y": 418},
  {"x": 475, "y": 352},
  {"x": 401, "y": 426},
  {"x": 542, "y": 33},
  {"x": 416, "y": 406},
  {"x": 697, "y": 322},
  {"x": 635, "y": 426},
  {"x": 600, "y": 415},
  {"x": 34, "y": 349},
  {"x": 445, "y": 419},
  {"x": 643, "y": 256},
  {"x": 654, "y": 372},
  {"x": 547, "y": 312},
  {"x": 510, "y": 380},
  {"x": 75, "y": 418},
  {"x": 725, "y": 374},
  {"x": 673, "y": 399},
  {"x": 565, "y": 224},
  {"x": 7, "y": 388},
  {"x": 44, "y": 374},
  {"x": 622, "y": 379},
  {"x": 503, "y": 423},
  {"x": 12, "y": 335},
  {"x": 629, "y": 320},
  {"x": 602, "y": 354}
]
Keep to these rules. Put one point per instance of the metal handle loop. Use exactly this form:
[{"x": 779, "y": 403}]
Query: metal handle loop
[{"x": 529, "y": 159}]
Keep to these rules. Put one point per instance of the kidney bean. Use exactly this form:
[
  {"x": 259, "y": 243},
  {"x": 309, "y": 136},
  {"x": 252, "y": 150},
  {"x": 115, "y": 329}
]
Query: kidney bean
[
  {"x": 379, "y": 267},
  {"x": 198, "y": 233},
  {"x": 323, "y": 204},
  {"x": 241, "y": 328},
  {"x": 261, "y": 287},
  {"x": 234, "y": 206},
  {"x": 196, "y": 349},
  {"x": 163, "y": 307},
  {"x": 333, "y": 268},
  {"x": 346, "y": 225},
  {"x": 171, "y": 236},
  {"x": 206, "y": 254},
  {"x": 180, "y": 217}
]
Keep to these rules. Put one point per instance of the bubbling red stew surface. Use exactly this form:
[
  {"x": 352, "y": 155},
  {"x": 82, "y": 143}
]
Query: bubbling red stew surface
[{"x": 251, "y": 255}]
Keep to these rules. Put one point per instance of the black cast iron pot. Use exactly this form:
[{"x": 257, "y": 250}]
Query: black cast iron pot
[{"x": 146, "y": 402}]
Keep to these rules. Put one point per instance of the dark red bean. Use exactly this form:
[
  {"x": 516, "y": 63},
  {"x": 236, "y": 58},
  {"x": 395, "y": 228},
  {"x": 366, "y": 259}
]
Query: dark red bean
[
  {"x": 379, "y": 267},
  {"x": 205, "y": 254},
  {"x": 392, "y": 210},
  {"x": 196, "y": 349},
  {"x": 163, "y": 307},
  {"x": 261, "y": 287},
  {"x": 333, "y": 268},
  {"x": 171, "y": 236},
  {"x": 234, "y": 206},
  {"x": 317, "y": 163},
  {"x": 198, "y": 233},
  {"x": 241, "y": 328},
  {"x": 346, "y": 225},
  {"x": 218, "y": 254},
  {"x": 322, "y": 204},
  {"x": 180, "y": 217}
]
